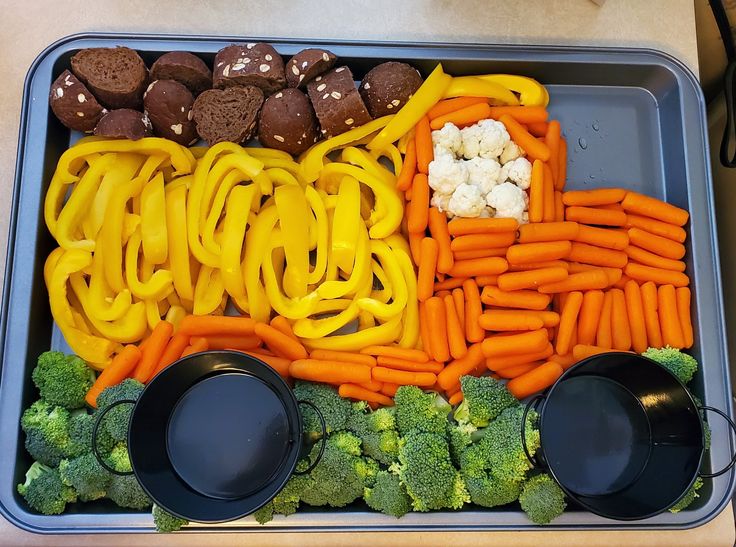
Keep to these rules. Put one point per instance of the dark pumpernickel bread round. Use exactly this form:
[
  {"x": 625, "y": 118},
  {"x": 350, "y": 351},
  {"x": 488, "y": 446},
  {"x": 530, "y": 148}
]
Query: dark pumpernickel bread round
[
  {"x": 124, "y": 123},
  {"x": 73, "y": 103},
  {"x": 337, "y": 102},
  {"x": 185, "y": 68},
  {"x": 168, "y": 104},
  {"x": 249, "y": 64},
  {"x": 227, "y": 114},
  {"x": 306, "y": 65},
  {"x": 387, "y": 87},
  {"x": 288, "y": 122},
  {"x": 117, "y": 76}
]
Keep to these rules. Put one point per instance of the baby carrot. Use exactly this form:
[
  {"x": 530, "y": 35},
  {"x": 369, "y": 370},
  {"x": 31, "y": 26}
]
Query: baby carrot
[
  {"x": 437, "y": 321},
  {"x": 480, "y": 253},
  {"x": 651, "y": 317},
  {"x": 281, "y": 344},
  {"x": 635, "y": 311},
  {"x": 389, "y": 389},
  {"x": 404, "y": 378},
  {"x": 505, "y": 361},
  {"x": 559, "y": 207},
  {"x": 590, "y": 315},
  {"x": 654, "y": 208},
  {"x": 548, "y": 195},
  {"x": 473, "y": 310},
  {"x": 411, "y": 366},
  {"x": 196, "y": 345},
  {"x": 114, "y": 373},
  {"x": 591, "y": 215},
  {"x": 217, "y": 325},
  {"x": 591, "y": 198},
  {"x": 614, "y": 274},
  {"x": 465, "y": 116},
  {"x": 534, "y": 148},
  {"x": 535, "y": 380},
  {"x": 173, "y": 350},
  {"x": 656, "y": 244},
  {"x": 583, "y": 281},
  {"x": 442, "y": 294},
  {"x": 424, "y": 333},
  {"x": 330, "y": 372},
  {"x": 601, "y": 237},
  {"x": 538, "y": 129},
  {"x": 568, "y": 322},
  {"x": 522, "y": 114},
  {"x": 597, "y": 256},
  {"x": 526, "y": 280},
  {"x": 538, "y": 265},
  {"x": 464, "y": 226},
  {"x": 451, "y": 374},
  {"x": 449, "y": 283},
  {"x": 151, "y": 354},
  {"x": 417, "y": 213},
  {"x": 658, "y": 275},
  {"x": 437, "y": 222},
  {"x": 423, "y": 143},
  {"x": 458, "y": 297},
  {"x": 478, "y": 266},
  {"x": 565, "y": 361},
  {"x": 408, "y": 354},
  {"x": 637, "y": 254},
  {"x": 373, "y": 386},
  {"x": 562, "y": 168},
  {"x": 485, "y": 280},
  {"x": 524, "y": 253},
  {"x": 452, "y": 105},
  {"x": 456, "y": 398},
  {"x": 548, "y": 231},
  {"x": 620, "y": 327},
  {"x": 509, "y": 320},
  {"x": 657, "y": 227},
  {"x": 604, "y": 337},
  {"x": 509, "y": 373},
  {"x": 525, "y": 299},
  {"x": 415, "y": 242},
  {"x": 621, "y": 283},
  {"x": 427, "y": 266},
  {"x": 552, "y": 139},
  {"x": 473, "y": 242},
  {"x": 279, "y": 364},
  {"x": 343, "y": 356},
  {"x": 351, "y": 391},
  {"x": 514, "y": 344},
  {"x": 232, "y": 342},
  {"x": 668, "y": 317},
  {"x": 281, "y": 324},
  {"x": 408, "y": 168},
  {"x": 583, "y": 351},
  {"x": 536, "y": 192},
  {"x": 682, "y": 295}
]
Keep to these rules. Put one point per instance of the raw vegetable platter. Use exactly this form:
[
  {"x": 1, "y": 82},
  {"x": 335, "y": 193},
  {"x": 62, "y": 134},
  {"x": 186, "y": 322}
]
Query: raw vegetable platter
[{"x": 632, "y": 119}]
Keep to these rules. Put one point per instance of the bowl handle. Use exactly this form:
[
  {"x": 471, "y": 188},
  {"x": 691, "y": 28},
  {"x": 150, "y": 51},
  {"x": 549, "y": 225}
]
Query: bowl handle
[
  {"x": 96, "y": 427},
  {"x": 732, "y": 425},
  {"x": 531, "y": 404},
  {"x": 323, "y": 440}
]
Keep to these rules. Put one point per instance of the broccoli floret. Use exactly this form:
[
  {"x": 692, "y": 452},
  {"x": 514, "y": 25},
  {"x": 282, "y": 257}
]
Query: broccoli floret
[
  {"x": 388, "y": 495},
  {"x": 678, "y": 363},
  {"x": 334, "y": 408},
  {"x": 47, "y": 433},
  {"x": 85, "y": 474},
  {"x": 689, "y": 497},
  {"x": 426, "y": 469},
  {"x": 119, "y": 459},
  {"x": 44, "y": 491},
  {"x": 378, "y": 432},
  {"x": 483, "y": 399},
  {"x": 63, "y": 379},
  {"x": 116, "y": 421},
  {"x": 166, "y": 522},
  {"x": 420, "y": 411},
  {"x": 125, "y": 491},
  {"x": 262, "y": 514},
  {"x": 542, "y": 499},
  {"x": 460, "y": 437}
]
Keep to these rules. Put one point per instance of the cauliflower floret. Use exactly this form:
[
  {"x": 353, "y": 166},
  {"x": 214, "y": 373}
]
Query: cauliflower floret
[
  {"x": 510, "y": 152},
  {"x": 518, "y": 171},
  {"x": 467, "y": 201},
  {"x": 446, "y": 174},
  {"x": 483, "y": 173},
  {"x": 447, "y": 140},
  {"x": 487, "y": 212},
  {"x": 486, "y": 139},
  {"x": 508, "y": 200},
  {"x": 441, "y": 202}
]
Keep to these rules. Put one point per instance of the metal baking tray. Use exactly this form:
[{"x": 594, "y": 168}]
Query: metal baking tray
[{"x": 632, "y": 118}]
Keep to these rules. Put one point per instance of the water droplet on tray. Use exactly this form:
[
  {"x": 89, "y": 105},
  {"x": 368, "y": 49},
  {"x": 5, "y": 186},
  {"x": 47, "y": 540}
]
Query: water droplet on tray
[
  {"x": 596, "y": 127},
  {"x": 582, "y": 143}
]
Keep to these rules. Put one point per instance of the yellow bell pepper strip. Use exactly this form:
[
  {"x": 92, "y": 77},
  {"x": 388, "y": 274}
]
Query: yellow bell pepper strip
[
  {"x": 278, "y": 255},
  {"x": 297, "y": 307},
  {"x": 185, "y": 181},
  {"x": 403, "y": 141},
  {"x": 131, "y": 223},
  {"x": 337, "y": 288},
  {"x": 264, "y": 182},
  {"x": 294, "y": 213},
  {"x": 367, "y": 203},
  {"x": 58, "y": 187},
  {"x": 153, "y": 221},
  {"x": 470, "y": 86},
  {"x": 152, "y": 312},
  {"x": 214, "y": 216},
  {"x": 175, "y": 315},
  {"x": 425, "y": 98},
  {"x": 89, "y": 347},
  {"x": 256, "y": 248},
  {"x": 181, "y": 158},
  {"x": 392, "y": 153},
  {"x": 410, "y": 327},
  {"x": 379, "y": 335},
  {"x": 391, "y": 266},
  {"x": 208, "y": 291},
  {"x": 77, "y": 207},
  {"x": 332, "y": 306},
  {"x": 102, "y": 306},
  {"x": 314, "y": 158},
  {"x": 248, "y": 166},
  {"x": 281, "y": 176},
  {"x": 531, "y": 92},
  {"x": 176, "y": 218},
  {"x": 345, "y": 224},
  {"x": 268, "y": 154},
  {"x": 384, "y": 293},
  {"x": 364, "y": 160},
  {"x": 50, "y": 264},
  {"x": 365, "y": 320},
  {"x": 233, "y": 233},
  {"x": 316, "y": 203},
  {"x": 198, "y": 151},
  {"x": 157, "y": 287},
  {"x": 386, "y": 197}
]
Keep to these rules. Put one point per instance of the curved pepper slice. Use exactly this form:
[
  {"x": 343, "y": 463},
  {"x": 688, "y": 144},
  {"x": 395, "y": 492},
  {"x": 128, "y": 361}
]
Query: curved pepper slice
[
  {"x": 99, "y": 293},
  {"x": 249, "y": 168},
  {"x": 531, "y": 92},
  {"x": 345, "y": 224},
  {"x": 337, "y": 288},
  {"x": 470, "y": 86},
  {"x": 281, "y": 176},
  {"x": 209, "y": 291},
  {"x": 153, "y": 221},
  {"x": 376, "y": 336},
  {"x": 384, "y": 293},
  {"x": 176, "y": 221},
  {"x": 157, "y": 287},
  {"x": 232, "y": 179},
  {"x": 314, "y": 199},
  {"x": 256, "y": 247},
  {"x": 392, "y": 153},
  {"x": 398, "y": 283},
  {"x": 364, "y": 160},
  {"x": 410, "y": 327},
  {"x": 269, "y": 154},
  {"x": 233, "y": 235},
  {"x": 293, "y": 210}
]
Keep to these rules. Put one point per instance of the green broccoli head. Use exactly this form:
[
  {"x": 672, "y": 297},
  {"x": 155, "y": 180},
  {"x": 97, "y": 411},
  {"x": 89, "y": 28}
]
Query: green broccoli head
[
  {"x": 335, "y": 409},
  {"x": 426, "y": 470},
  {"x": 119, "y": 459},
  {"x": 483, "y": 399},
  {"x": 44, "y": 491},
  {"x": 678, "y": 363},
  {"x": 420, "y": 411},
  {"x": 689, "y": 497},
  {"x": 286, "y": 502},
  {"x": 542, "y": 499},
  {"x": 388, "y": 495},
  {"x": 85, "y": 474},
  {"x": 262, "y": 514},
  {"x": 63, "y": 379},
  {"x": 460, "y": 437},
  {"x": 166, "y": 522},
  {"x": 47, "y": 433},
  {"x": 116, "y": 421},
  {"x": 125, "y": 491},
  {"x": 377, "y": 430}
]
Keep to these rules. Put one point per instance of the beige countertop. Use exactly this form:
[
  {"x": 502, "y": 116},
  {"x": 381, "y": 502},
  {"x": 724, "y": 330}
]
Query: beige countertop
[{"x": 31, "y": 25}]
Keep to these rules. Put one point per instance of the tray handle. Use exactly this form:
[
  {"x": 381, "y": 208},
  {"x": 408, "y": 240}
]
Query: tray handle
[
  {"x": 732, "y": 425},
  {"x": 96, "y": 428}
]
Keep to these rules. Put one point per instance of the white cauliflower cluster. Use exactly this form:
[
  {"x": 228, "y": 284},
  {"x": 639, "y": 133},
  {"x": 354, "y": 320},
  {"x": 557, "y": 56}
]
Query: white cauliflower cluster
[{"x": 479, "y": 172}]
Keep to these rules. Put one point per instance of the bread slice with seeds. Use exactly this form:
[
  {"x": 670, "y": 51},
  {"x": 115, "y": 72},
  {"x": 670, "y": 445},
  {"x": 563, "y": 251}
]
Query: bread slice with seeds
[
  {"x": 227, "y": 114},
  {"x": 117, "y": 76},
  {"x": 184, "y": 67},
  {"x": 168, "y": 104},
  {"x": 249, "y": 64},
  {"x": 288, "y": 122},
  {"x": 306, "y": 65},
  {"x": 388, "y": 86},
  {"x": 336, "y": 101},
  {"x": 73, "y": 103},
  {"x": 124, "y": 123}
]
